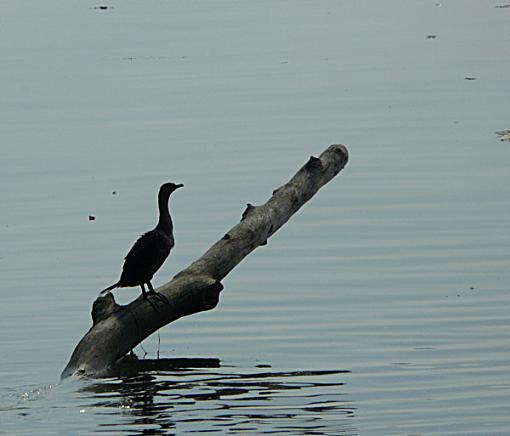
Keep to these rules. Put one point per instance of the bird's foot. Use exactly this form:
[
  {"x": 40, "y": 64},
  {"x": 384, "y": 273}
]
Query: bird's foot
[
  {"x": 159, "y": 297},
  {"x": 156, "y": 300},
  {"x": 152, "y": 301},
  {"x": 163, "y": 298}
]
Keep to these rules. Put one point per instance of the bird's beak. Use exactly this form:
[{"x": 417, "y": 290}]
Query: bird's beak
[{"x": 180, "y": 185}]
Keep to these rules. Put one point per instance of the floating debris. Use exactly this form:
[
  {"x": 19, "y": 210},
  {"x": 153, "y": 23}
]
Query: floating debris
[
  {"x": 431, "y": 36},
  {"x": 101, "y": 8},
  {"x": 92, "y": 217},
  {"x": 469, "y": 78},
  {"x": 504, "y": 135},
  {"x": 114, "y": 192},
  {"x": 503, "y": 6}
]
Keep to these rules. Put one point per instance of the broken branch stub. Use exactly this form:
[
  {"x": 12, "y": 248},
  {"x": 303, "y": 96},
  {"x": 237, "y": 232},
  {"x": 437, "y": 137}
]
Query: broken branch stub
[{"x": 118, "y": 329}]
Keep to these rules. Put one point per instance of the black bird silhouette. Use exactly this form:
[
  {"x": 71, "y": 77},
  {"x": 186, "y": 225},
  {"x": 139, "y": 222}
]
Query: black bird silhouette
[{"x": 150, "y": 250}]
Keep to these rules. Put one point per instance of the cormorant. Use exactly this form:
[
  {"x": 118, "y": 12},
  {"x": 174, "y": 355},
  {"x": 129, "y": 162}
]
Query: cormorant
[{"x": 150, "y": 250}]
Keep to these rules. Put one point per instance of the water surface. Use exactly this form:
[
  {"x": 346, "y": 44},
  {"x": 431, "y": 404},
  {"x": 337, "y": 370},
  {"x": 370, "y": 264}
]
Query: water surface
[{"x": 380, "y": 308}]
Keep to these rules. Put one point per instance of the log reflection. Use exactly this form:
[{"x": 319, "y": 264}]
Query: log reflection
[{"x": 166, "y": 397}]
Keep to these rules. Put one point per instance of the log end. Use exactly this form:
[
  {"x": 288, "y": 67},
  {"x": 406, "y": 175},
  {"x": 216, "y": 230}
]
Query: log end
[{"x": 341, "y": 151}]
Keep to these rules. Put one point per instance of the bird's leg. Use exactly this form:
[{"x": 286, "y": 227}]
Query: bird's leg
[
  {"x": 151, "y": 289},
  {"x": 157, "y": 294},
  {"x": 143, "y": 291},
  {"x": 146, "y": 297}
]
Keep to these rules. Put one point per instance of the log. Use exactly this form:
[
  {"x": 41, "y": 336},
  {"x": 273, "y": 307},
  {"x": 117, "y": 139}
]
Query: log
[{"x": 118, "y": 329}]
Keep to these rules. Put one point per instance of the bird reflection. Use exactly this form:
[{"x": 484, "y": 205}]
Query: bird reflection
[{"x": 199, "y": 395}]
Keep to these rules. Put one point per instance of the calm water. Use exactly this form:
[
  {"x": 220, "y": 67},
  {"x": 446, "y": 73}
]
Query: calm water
[{"x": 381, "y": 308}]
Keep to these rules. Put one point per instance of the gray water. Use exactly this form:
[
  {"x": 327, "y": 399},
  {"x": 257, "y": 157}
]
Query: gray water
[{"x": 381, "y": 308}]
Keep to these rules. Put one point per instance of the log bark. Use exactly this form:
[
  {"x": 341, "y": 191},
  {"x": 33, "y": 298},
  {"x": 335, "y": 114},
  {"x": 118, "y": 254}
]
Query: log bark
[{"x": 118, "y": 329}]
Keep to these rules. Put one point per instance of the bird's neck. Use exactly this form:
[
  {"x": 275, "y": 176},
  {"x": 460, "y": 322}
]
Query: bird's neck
[{"x": 165, "y": 221}]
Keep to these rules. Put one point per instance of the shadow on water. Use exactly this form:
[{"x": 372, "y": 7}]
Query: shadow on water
[{"x": 163, "y": 397}]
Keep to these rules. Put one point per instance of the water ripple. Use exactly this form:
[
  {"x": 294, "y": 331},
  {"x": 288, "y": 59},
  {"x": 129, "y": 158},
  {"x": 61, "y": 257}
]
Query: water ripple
[{"x": 223, "y": 400}]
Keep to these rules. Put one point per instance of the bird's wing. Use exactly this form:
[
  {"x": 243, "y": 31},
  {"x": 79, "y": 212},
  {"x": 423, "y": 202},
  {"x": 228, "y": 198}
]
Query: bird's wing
[{"x": 146, "y": 256}]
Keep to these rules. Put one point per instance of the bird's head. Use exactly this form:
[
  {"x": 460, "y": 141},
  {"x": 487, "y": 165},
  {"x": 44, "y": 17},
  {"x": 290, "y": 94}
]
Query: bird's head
[{"x": 167, "y": 188}]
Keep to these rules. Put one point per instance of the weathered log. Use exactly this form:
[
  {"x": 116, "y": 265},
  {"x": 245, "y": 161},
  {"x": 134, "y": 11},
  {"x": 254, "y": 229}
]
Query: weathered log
[{"x": 118, "y": 329}]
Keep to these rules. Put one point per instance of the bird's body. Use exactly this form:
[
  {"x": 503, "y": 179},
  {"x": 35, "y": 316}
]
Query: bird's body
[
  {"x": 150, "y": 250},
  {"x": 145, "y": 258}
]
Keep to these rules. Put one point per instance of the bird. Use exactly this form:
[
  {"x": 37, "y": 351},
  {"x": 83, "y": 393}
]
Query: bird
[{"x": 150, "y": 250}]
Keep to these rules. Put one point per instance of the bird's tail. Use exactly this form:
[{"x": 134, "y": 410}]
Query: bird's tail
[{"x": 109, "y": 288}]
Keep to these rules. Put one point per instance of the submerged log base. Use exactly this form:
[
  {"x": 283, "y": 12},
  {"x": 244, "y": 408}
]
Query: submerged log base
[
  {"x": 132, "y": 365},
  {"x": 118, "y": 329}
]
